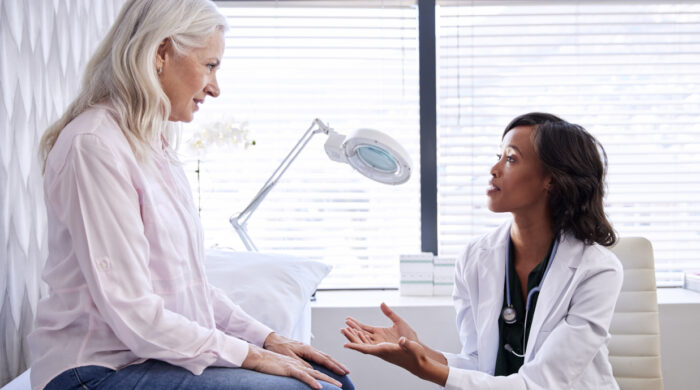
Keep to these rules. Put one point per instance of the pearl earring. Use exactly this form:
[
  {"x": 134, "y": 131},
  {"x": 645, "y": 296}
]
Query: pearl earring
[{"x": 159, "y": 70}]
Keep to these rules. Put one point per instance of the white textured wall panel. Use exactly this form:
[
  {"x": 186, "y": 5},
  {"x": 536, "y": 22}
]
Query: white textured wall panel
[{"x": 44, "y": 47}]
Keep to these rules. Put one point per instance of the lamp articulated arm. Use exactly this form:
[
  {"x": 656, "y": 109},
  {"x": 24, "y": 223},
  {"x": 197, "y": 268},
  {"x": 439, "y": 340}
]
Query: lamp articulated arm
[
  {"x": 239, "y": 222},
  {"x": 370, "y": 152}
]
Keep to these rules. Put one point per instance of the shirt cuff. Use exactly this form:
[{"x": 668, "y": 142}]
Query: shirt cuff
[
  {"x": 233, "y": 352},
  {"x": 257, "y": 332},
  {"x": 460, "y": 361},
  {"x": 248, "y": 329},
  {"x": 452, "y": 379}
]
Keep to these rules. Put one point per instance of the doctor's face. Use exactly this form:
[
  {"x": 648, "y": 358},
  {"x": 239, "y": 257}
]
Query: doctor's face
[{"x": 519, "y": 182}]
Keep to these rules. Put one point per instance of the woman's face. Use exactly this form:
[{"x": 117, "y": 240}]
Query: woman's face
[
  {"x": 187, "y": 78},
  {"x": 519, "y": 181}
]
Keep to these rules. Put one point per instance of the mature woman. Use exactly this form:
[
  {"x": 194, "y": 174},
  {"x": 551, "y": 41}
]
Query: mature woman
[
  {"x": 535, "y": 297},
  {"x": 129, "y": 304}
]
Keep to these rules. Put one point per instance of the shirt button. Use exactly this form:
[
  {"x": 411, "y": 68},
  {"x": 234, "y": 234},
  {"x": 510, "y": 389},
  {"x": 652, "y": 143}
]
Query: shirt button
[{"x": 104, "y": 264}]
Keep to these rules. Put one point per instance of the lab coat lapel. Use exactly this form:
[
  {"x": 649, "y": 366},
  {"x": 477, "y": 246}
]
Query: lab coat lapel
[
  {"x": 559, "y": 277},
  {"x": 491, "y": 276}
]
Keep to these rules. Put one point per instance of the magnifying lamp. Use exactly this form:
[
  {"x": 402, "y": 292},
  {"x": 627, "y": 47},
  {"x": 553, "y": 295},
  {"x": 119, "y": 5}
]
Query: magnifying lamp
[{"x": 370, "y": 152}]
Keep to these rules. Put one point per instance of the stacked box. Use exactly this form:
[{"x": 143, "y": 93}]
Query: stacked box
[
  {"x": 416, "y": 274},
  {"x": 692, "y": 281},
  {"x": 443, "y": 275}
]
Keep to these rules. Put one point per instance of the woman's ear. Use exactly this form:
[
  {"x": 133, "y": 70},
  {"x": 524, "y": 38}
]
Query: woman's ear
[
  {"x": 548, "y": 183},
  {"x": 162, "y": 54}
]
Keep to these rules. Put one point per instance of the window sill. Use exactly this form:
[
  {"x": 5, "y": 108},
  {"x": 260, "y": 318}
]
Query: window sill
[
  {"x": 372, "y": 298},
  {"x": 677, "y": 296}
]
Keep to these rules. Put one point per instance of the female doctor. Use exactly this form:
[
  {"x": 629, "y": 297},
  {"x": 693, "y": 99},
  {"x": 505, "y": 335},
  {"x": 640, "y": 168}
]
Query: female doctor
[{"x": 535, "y": 297}]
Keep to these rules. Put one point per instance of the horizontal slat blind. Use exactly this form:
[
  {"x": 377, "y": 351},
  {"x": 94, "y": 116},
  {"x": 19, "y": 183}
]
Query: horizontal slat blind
[
  {"x": 629, "y": 72},
  {"x": 353, "y": 66}
]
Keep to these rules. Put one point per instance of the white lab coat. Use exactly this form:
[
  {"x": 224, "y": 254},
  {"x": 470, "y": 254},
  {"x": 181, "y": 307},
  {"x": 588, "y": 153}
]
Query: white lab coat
[{"x": 567, "y": 345}]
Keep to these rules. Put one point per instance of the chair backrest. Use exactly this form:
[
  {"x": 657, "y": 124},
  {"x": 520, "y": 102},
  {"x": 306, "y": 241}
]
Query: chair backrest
[{"x": 635, "y": 351}]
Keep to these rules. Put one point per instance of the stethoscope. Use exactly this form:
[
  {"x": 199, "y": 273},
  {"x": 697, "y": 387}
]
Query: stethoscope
[{"x": 508, "y": 312}]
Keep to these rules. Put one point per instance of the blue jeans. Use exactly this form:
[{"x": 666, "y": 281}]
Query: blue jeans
[{"x": 157, "y": 375}]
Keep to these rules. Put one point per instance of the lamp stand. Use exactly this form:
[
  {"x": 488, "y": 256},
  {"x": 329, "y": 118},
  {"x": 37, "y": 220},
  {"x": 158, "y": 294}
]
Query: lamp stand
[{"x": 240, "y": 221}]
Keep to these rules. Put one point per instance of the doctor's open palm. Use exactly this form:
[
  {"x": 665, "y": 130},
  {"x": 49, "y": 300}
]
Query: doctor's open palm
[
  {"x": 375, "y": 335},
  {"x": 397, "y": 344}
]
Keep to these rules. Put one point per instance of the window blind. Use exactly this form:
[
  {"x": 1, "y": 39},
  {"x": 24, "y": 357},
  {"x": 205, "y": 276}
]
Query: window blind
[
  {"x": 351, "y": 64},
  {"x": 629, "y": 72}
]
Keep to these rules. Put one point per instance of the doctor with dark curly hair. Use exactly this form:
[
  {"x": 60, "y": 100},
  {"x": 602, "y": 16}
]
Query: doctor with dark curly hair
[{"x": 535, "y": 297}]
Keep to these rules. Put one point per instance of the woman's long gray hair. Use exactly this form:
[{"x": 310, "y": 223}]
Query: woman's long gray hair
[{"x": 123, "y": 71}]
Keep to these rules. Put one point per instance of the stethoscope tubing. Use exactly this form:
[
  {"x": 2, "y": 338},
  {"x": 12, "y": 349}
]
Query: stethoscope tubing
[{"x": 506, "y": 313}]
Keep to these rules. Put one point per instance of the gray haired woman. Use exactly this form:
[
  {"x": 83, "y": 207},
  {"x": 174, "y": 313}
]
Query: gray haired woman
[{"x": 129, "y": 304}]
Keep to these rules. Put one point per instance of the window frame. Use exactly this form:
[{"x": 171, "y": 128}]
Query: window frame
[{"x": 427, "y": 58}]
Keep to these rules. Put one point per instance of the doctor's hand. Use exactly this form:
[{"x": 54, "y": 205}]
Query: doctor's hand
[
  {"x": 273, "y": 363},
  {"x": 302, "y": 353},
  {"x": 376, "y": 335},
  {"x": 407, "y": 354}
]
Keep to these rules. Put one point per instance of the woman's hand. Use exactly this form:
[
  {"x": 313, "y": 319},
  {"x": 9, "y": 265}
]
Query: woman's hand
[
  {"x": 405, "y": 353},
  {"x": 376, "y": 335},
  {"x": 268, "y": 362},
  {"x": 302, "y": 352}
]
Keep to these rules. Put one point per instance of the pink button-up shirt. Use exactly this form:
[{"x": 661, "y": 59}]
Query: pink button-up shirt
[{"x": 126, "y": 264}]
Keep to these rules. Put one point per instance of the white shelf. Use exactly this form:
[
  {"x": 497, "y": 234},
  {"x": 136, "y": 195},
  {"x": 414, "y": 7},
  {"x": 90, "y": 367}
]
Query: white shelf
[
  {"x": 677, "y": 296},
  {"x": 372, "y": 298}
]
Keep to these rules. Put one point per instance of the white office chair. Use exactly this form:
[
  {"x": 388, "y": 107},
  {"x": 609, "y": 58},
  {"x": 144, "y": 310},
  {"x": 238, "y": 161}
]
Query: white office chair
[{"x": 635, "y": 351}]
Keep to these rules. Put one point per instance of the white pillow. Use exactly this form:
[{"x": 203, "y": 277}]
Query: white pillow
[{"x": 273, "y": 288}]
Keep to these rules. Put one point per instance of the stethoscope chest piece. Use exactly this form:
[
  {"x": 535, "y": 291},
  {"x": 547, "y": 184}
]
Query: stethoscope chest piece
[{"x": 508, "y": 315}]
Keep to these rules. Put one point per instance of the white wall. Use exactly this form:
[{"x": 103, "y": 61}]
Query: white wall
[
  {"x": 44, "y": 46},
  {"x": 433, "y": 319},
  {"x": 680, "y": 344}
]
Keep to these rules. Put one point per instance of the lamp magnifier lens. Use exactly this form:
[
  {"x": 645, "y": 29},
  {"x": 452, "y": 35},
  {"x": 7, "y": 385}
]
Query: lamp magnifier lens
[{"x": 377, "y": 158}]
